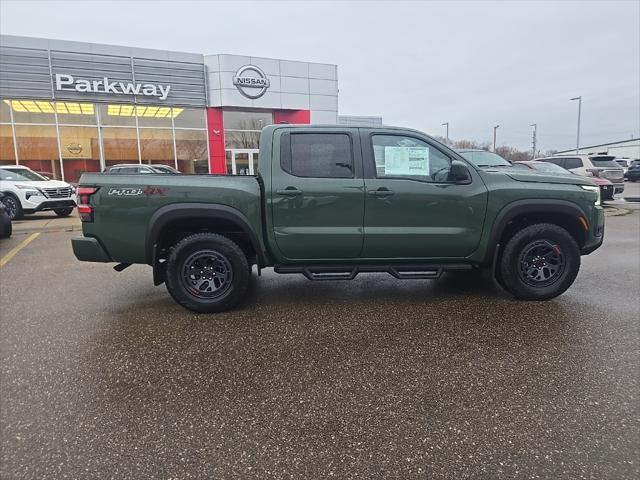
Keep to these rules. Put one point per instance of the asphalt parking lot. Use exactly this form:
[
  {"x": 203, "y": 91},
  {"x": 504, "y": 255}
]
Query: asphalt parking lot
[{"x": 104, "y": 376}]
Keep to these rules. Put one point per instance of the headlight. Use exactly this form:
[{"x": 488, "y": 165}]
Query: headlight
[{"x": 594, "y": 189}]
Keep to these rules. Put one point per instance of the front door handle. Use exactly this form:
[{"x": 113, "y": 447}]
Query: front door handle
[
  {"x": 289, "y": 192},
  {"x": 381, "y": 192}
]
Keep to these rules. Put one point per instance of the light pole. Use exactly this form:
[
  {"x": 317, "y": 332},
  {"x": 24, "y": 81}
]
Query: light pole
[
  {"x": 447, "y": 125},
  {"x": 579, "y": 114},
  {"x": 535, "y": 128},
  {"x": 494, "y": 137}
]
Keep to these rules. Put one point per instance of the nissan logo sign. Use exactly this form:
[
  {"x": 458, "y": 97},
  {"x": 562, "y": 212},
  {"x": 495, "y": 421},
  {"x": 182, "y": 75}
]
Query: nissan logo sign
[{"x": 251, "y": 81}]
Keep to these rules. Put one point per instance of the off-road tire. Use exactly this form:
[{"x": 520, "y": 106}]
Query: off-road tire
[
  {"x": 63, "y": 212},
  {"x": 232, "y": 256},
  {"x": 512, "y": 275}
]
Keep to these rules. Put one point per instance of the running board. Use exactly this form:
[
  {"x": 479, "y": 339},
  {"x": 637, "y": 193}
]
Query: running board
[{"x": 344, "y": 272}]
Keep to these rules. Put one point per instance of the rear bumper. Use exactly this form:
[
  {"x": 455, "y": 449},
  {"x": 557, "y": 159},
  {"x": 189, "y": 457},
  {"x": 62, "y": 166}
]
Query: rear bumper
[{"x": 88, "y": 249}]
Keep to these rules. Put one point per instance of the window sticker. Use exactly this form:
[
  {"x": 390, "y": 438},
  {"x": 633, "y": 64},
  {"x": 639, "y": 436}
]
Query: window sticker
[{"x": 406, "y": 161}]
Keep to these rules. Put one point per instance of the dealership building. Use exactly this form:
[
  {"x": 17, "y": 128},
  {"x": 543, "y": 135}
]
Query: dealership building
[{"x": 72, "y": 107}]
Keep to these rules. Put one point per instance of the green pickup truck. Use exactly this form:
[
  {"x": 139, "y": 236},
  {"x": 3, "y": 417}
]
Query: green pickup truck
[{"x": 331, "y": 202}]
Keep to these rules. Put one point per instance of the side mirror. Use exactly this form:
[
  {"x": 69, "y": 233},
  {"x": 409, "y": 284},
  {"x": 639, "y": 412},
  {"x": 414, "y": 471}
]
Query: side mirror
[{"x": 459, "y": 173}]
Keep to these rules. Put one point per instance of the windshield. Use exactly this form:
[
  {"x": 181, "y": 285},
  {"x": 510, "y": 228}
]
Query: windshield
[
  {"x": 545, "y": 167},
  {"x": 21, "y": 175},
  {"x": 482, "y": 158}
]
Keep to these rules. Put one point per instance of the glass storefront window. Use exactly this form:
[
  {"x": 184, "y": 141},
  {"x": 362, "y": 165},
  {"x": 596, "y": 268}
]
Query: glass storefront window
[
  {"x": 72, "y": 113},
  {"x": 31, "y": 111},
  {"x": 120, "y": 145},
  {"x": 241, "y": 139},
  {"x": 156, "y": 146},
  {"x": 117, "y": 115},
  {"x": 234, "y": 120},
  {"x": 38, "y": 148},
  {"x": 191, "y": 147},
  {"x": 7, "y": 152},
  {"x": 79, "y": 145},
  {"x": 80, "y": 151},
  {"x": 5, "y": 112},
  {"x": 154, "y": 116},
  {"x": 189, "y": 118}
]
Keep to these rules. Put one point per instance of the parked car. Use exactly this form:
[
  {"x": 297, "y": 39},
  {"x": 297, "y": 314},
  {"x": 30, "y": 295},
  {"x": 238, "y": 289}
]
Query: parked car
[
  {"x": 624, "y": 163},
  {"x": 606, "y": 187},
  {"x": 26, "y": 192},
  {"x": 5, "y": 220},
  {"x": 333, "y": 202},
  {"x": 484, "y": 158},
  {"x": 130, "y": 169},
  {"x": 602, "y": 166},
  {"x": 633, "y": 173},
  {"x": 165, "y": 169}
]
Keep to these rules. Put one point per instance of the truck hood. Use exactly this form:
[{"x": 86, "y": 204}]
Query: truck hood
[{"x": 548, "y": 178}]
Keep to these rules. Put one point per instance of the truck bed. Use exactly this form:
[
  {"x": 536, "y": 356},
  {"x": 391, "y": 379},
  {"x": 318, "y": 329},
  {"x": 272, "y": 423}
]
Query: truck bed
[{"x": 125, "y": 204}]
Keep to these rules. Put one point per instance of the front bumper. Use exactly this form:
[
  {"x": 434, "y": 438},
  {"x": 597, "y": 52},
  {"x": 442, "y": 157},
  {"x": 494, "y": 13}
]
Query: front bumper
[
  {"x": 596, "y": 232},
  {"x": 88, "y": 249},
  {"x": 49, "y": 205}
]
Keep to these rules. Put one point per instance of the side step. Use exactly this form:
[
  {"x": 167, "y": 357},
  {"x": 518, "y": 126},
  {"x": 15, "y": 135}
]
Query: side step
[{"x": 349, "y": 272}]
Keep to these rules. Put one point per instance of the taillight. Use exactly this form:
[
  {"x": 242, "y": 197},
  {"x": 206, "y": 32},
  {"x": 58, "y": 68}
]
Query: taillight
[{"x": 84, "y": 209}]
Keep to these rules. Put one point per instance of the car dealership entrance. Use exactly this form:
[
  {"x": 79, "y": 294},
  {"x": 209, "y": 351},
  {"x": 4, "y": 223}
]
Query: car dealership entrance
[{"x": 73, "y": 107}]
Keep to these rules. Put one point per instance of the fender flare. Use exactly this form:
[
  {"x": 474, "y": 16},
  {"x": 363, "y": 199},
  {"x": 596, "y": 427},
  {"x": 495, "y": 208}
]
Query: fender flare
[
  {"x": 519, "y": 207},
  {"x": 176, "y": 211}
]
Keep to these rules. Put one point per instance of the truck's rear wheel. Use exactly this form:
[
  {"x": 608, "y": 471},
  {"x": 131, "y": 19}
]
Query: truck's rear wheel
[
  {"x": 207, "y": 273},
  {"x": 539, "y": 262}
]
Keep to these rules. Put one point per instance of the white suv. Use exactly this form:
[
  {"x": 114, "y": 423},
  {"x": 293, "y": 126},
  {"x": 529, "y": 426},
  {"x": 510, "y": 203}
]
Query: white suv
[
  {"x": 602, "y": 166},
  {"x": 26, "y": 191}
]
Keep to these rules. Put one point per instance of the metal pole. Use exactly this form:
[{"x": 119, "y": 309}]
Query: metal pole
[
  {"x": 579, "y": 115},
  {"x": 447, "y": 125},
  {"x": 495, "y": 128},
  {"x": 535, "y": 128}
]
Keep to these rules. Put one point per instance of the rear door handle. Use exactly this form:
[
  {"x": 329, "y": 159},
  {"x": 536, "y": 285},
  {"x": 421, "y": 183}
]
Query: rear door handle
[
  {"x": 381, "y": 192},
  {"x": 289, "y": 192}
]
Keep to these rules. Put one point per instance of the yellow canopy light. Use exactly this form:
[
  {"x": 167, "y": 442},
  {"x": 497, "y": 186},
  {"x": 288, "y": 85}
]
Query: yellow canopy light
[
  {"x": 72, "y": 108},
  {"x": 38, "y": 106}
]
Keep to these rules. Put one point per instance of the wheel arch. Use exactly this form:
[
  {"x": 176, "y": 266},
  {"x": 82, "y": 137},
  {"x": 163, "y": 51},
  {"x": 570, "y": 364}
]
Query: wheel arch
[
  {"x": 200, "y": 214},
  {"x": 521, "y": 213}
]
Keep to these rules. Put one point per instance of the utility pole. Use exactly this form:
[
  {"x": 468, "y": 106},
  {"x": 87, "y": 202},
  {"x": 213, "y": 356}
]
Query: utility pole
[
  {"x": 579, "y": 114},
  {"x": 535, "y": 128},
  {"x": 494, "y": 137},
  {"x": 447, "y": 125}
]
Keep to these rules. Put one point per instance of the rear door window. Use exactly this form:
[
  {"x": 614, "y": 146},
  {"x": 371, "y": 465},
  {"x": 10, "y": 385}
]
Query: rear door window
[
  {"x": 555, "y": 161},
  {"x": 320, "y": 155},
  {"x": 572, "y": 163}
]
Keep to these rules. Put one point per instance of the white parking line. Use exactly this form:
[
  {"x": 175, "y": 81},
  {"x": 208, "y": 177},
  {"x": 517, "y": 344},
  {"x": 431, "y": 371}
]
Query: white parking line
[{"x": 16, "y": 249}]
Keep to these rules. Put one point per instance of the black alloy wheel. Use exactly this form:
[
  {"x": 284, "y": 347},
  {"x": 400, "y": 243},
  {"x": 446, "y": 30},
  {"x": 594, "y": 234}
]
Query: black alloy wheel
[
  {"x": 541, "y": 263},
  {"x": 12, "y": 206}
]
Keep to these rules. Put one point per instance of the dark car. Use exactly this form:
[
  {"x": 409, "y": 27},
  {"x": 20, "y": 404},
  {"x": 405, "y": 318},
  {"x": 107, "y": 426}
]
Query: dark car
[
  {"x": 130, "y": 169},
  {"x": 5, "y": 220},
  {"x": 633, "y": 172}
]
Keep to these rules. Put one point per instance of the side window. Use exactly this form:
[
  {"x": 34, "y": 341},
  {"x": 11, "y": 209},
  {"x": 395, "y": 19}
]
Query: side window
[
  {"x": 128, "y": 170},
  {"x": 407, "y": 157},
  {"x": 320, "y": 155},
  {"x": 554, "y": 160},
  {"x": 572, "y": 163}
]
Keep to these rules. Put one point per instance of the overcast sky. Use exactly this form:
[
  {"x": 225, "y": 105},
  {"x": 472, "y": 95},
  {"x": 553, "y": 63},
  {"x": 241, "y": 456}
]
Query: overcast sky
[{"x": 418, "y": 64}]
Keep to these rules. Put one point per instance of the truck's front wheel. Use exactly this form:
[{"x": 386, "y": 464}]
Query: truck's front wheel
[
  {"x": 539, "y": 262},
  {"x": 207, "y": 273}
]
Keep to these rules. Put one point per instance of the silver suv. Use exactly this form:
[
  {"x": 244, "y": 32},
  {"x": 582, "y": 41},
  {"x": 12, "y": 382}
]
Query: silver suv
[{"x": 602, "y": 166}]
